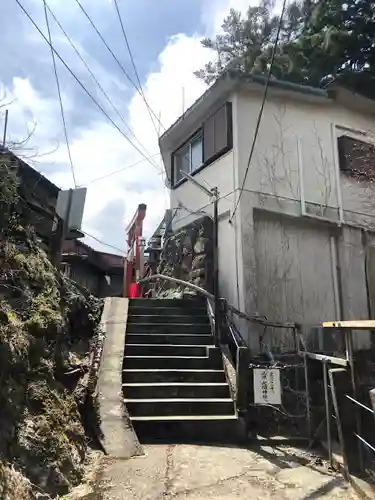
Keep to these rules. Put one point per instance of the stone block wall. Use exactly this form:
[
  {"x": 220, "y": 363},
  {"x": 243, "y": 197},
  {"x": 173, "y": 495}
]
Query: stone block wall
[{"x": 188, "y": 255}]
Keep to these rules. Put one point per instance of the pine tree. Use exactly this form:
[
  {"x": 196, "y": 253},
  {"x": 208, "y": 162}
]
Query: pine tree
[{"x": 319, "y": 41}]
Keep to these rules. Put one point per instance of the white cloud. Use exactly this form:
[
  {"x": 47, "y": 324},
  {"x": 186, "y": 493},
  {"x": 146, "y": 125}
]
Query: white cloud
[
  {"x": 100, "y": 149},
  {"x": 167, "y": 91},
  {"x": 213, "y": 13}
]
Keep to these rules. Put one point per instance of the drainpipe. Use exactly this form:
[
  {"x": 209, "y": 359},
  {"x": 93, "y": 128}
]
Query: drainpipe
[
  {"x": 337, "y": 292},
  {"x": 336, "y": 163},
  {"x": 213, "y": 195},
  {"x": 301, "y": 177},
  {"x": 366, "y": 251},
  {"x": 216, "y": 264}
]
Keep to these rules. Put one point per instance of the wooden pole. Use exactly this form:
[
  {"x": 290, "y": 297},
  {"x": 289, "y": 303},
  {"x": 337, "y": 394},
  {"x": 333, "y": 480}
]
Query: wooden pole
[{"x": 5, "y": 127}]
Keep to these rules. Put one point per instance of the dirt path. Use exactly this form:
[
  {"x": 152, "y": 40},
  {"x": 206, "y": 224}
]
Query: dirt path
[{"x": 191, "y": 472}]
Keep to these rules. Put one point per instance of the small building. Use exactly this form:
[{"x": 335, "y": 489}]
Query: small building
[
  {"x": 297, "y": 219},
  {"x": 38, "y": 198},
  {"x": 99, "y": 272}
]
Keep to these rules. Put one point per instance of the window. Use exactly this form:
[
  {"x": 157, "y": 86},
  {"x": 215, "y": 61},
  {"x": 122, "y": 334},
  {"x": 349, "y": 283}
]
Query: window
[
  {"x": 356, "y": 158},
  {"x": 217, "y": 131},
  {"x": 214, "y": 140},
  {"x": 189, "y": 158}
]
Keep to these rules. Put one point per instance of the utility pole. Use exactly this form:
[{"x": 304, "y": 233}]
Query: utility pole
[
  {"x": 213, "y": 194},
  {"x": 5, "y": 127}
]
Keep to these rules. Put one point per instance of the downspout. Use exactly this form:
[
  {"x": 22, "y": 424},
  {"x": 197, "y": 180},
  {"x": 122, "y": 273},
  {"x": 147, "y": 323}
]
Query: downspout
[
  {"x": 235, "y": 170},
  {"x": 335, "y": 259},
  {"x": 336, "y": 164},
  {"x": 301, "y": 177},
  {"x": 337, "y": 291},
  {"x": 365, "y": 246}
]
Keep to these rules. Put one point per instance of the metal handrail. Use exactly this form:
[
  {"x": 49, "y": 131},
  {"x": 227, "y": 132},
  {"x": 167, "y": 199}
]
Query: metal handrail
[
  {"x": 260, "y": 320},
  {"x": 236, "y": 335},
  {"x": 359, "y": 404},
  {"x": 178, "y": 281},
  {"x": 253, "y": 318}
]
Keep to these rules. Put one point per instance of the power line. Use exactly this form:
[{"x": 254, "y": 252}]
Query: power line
[
  {"x": 59, "y": 94},
  {"x": 102, "y": 242},
  {"x": 79, "y": 82},
  {"x": 116, "y": 59},
  {"x": 96, "y": 80},
  {"x": 157, "y": 129},
  {"x": 114, "y": 172},
  {"x": 261, "y": 108},
  {"x": 200, "y": 211},
  {"x": 134, "y": 66}
]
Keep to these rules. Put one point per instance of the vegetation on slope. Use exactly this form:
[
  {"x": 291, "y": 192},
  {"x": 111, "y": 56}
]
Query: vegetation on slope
[{"x": 48, "y": 327}]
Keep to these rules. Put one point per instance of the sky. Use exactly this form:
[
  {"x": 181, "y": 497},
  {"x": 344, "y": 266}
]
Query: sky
[{"x": 164, "y": 37}]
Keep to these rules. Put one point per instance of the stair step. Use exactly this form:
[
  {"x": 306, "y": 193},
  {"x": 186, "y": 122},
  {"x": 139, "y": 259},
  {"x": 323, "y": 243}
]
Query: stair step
[
  {"x": 166, "y": 418},
  {"x": 174, "y": 328},
  {"x": 155, "y": 303},
  {"x": 176, "y": 390},
  {"x": 165, "y": 350},
  {"x": 172, "y": 362},
  {"x": 179, "y": 406},
  {"x": 165, "y": 319},
  {"x": 166, "y": 375},
  {"x": 166, "y": 311},
  {"x": 169, "y": 339}
]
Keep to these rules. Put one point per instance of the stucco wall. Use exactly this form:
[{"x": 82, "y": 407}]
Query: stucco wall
[
  {"x": 296, "y": 154},
  {"x": 223, "y": 174},
  {"x": 296, "y": 138},
  {"x": 295, "y": 159}
]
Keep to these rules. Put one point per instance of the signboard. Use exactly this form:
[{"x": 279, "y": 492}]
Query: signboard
[
  {"x": 71, "y": 203},
  {"x": 267, "y": 387}
]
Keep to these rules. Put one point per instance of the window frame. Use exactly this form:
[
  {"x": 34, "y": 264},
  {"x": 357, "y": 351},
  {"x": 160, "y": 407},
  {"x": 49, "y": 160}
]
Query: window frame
[
  {"x": 356, "y": 135},
  {"x": 200, "y": 131},
  {"x": 229, "y": 130},
  {"x": 189, "y": 141}
]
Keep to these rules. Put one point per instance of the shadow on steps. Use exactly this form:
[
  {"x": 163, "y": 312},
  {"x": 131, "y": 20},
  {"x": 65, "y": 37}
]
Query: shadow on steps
[{"x": 212, "y": 432}]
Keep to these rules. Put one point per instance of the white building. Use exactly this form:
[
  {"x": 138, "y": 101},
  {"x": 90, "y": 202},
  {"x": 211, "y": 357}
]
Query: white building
[{"x": 300, "y": 245}]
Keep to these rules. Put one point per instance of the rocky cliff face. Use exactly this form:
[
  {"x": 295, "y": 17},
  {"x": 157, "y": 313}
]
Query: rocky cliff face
[
  {"x": 48, "y": 330},
  {"x": 188, "y": 255}
]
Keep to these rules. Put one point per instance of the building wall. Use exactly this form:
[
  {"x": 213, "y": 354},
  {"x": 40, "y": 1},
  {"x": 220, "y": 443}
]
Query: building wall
[
  {"x": 296, "y": 146},
  {"x": 222, "y": 174},
  {"x": 293, "y": 180},
  {"x": 294, "y": 173},
  {"x": 87, "y": 276},
  {"x": 115, "y": 288}
]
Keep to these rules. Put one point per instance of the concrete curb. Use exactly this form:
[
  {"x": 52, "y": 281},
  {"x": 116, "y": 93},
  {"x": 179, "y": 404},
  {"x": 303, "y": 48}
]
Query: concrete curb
[{"x": 120, "y": 440}]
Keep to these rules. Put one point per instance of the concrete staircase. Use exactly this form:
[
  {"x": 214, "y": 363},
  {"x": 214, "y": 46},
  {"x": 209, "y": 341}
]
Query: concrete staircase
[{"x": 172, "y": 370}]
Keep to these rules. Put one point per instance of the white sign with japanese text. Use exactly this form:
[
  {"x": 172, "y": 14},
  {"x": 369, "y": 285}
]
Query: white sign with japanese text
[{"x": 267, "y": 387}]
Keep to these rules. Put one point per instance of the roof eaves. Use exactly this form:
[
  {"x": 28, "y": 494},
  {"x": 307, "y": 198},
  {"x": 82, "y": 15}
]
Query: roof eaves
[
  {"x": 226, "y": 77},
  {"x": 26, "y": 166},
  {"x": 235, "y": 79},
  {"x": 293, "y": 87}
]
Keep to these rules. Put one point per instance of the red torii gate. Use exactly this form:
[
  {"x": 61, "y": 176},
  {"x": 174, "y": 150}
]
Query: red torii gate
[{"x": 133, "y": 261}]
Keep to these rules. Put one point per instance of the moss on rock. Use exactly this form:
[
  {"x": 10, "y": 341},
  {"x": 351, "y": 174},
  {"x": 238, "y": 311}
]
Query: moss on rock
[{"x": 48, "y": 327}]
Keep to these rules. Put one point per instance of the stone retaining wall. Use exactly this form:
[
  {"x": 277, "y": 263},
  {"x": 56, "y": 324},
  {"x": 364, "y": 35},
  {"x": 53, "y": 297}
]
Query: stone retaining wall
[{"x": 188, "y": 255}]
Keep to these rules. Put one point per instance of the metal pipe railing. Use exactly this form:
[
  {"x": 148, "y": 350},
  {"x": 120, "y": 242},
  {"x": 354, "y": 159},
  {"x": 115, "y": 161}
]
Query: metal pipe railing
[
  {"x": 178, "y": 281},
  {"x": 254, "y": 319},
  {"x": 260, "y": 320},
  {"x": 360, "y": 404}
]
